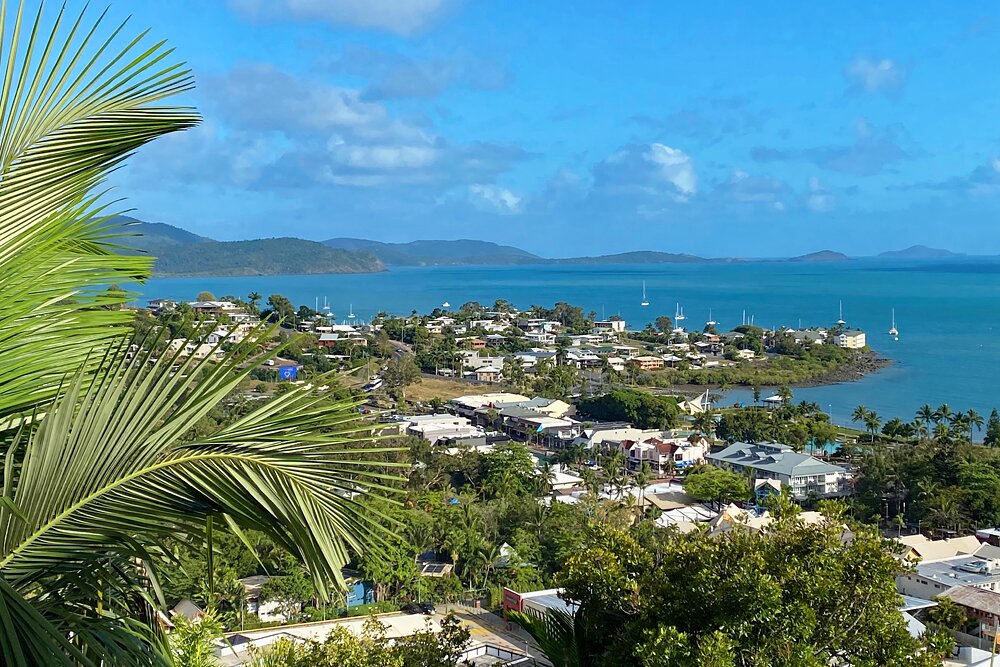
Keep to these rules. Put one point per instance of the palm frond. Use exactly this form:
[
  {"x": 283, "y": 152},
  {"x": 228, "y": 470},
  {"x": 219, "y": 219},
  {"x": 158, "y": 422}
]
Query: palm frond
[{"x": 296, "y": 468}]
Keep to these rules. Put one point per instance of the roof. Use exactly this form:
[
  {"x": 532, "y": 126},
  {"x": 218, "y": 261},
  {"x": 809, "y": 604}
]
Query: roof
[
  {"x": 548, "y": 599},
  {"x": 975, "y": 598},
  {"x": 773, "y": 457},
  {"x": 911, "y": 603},
  {"x": 957, "y": 571},
  {"x": 932, "y": 550},
  {"x": 187, "y": 609}
]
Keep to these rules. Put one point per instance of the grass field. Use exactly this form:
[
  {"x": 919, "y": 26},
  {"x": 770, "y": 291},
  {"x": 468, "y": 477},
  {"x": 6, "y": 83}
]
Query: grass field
[{"x": 442, "y": 388}]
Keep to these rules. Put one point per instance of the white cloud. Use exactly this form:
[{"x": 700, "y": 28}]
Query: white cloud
[
  {"x": 675, "y": 167},
  {"x": 495, "y": 199},
  {"x": 819, "y": 198},
  {"x": 881, "y": 76},
  {"x": 648, "y": 171},
  {"x": 402, "y": 17}
]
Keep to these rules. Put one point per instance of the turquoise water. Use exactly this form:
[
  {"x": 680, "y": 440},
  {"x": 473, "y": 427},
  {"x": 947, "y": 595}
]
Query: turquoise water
[{"x": 947, "y": 312}]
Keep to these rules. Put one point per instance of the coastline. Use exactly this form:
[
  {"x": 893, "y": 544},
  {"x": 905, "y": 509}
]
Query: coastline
[{"x": 867, "y": 364}]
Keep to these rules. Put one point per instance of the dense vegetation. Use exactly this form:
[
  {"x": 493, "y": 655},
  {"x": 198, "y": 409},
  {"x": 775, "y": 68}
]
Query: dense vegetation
[
  {"x": 639, "y": 408},
  {"x": 794, "y": 595}
]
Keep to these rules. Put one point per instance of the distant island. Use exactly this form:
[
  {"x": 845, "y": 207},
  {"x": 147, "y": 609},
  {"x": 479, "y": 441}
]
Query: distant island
[
  {"x": 438, "y": 253},
  {"x": 919, "y": 252},
  {"x": 180, "y": 253},
  {"x": 821, "y": 256}
]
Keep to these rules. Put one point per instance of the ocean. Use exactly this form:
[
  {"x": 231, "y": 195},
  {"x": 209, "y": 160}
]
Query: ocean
[{"x": 946, "y": 311}]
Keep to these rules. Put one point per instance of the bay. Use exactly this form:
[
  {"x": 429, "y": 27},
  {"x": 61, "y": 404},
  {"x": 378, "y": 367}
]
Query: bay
[{"x": 946, "y": 311}]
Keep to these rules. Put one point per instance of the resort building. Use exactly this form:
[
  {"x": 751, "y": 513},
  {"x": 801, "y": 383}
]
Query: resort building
[
  {"x": 805, "y": 475},
  {"x": 851, "y": 340}
]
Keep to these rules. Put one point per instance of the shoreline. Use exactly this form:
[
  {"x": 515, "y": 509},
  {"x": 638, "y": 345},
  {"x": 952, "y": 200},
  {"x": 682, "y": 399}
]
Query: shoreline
[{"x": 868, "y": 364}]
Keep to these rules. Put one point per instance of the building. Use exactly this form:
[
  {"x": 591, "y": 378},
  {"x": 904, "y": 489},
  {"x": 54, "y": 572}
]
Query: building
[
  {"x": 647, "y": 363},
  {"x": 437, "y": 427},
  {"x": 920, "y": 548},
  {"x": 663, "y": 454},
  {"x": 934, "y": 578},
  {"x": 851, "y": 340},
  {"x": 467, "y": 406},
  {"x": 980, "y": 605},
  {"x": 805, "y": 475}
]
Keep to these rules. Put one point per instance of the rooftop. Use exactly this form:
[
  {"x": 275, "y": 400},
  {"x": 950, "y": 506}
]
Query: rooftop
[
  {"x": 959, "y": 571},
  {"x": 773, "y": 457}
]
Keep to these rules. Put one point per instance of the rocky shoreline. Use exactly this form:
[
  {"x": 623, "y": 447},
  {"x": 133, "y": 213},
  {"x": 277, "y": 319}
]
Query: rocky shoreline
[{"x": 865, "y": 364}]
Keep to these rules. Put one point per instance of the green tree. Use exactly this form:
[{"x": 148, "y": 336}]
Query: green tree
[
  {"x": 993, "y": 429},
  {"x": 281, "y": 308},
  {"x": 646, "y": 604},
  {"x": 288, "y": 592},
  {"x": 716, "y": 485},
  {"x": 205, "y": 296},
  {"x": 191, "y": 641},
  {"x": 103, "y": 474},
  {"x": 253, "y": 298},
  {"x": 664, "y": 324}
]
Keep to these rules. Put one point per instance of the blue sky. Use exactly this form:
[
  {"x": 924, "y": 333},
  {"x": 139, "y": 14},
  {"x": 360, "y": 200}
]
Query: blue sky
[{"x": 568, "y": 128}]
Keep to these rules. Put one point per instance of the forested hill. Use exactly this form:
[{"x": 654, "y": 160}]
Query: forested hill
[
  {"x": 182, "y": 253},
  {"x": 439, "y": 253},
  {"x": 261, "y": 257}
]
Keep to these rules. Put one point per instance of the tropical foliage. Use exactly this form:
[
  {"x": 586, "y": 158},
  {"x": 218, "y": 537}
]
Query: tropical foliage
[
  {"x": 101, "y": 473},
  {"x": 792, "y": 595}
]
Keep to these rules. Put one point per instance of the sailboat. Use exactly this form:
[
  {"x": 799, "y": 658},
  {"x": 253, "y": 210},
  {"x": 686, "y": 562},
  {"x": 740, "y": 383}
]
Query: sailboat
[
  {"x": 841, "y": 321},
  {"x": 350, "y": 314},
  {"x": 446, "y": 305},
  {"x": 678, "y": 318},
  {"x": 645, "y": 301},
  {"x": 893, "y": 331},
  {"x": 711, "y": 322}
]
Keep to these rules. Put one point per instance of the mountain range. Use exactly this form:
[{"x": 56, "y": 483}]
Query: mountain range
[{"x": 179, "y": 252}]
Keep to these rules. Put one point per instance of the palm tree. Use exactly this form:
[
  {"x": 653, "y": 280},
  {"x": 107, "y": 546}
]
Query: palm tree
[
  {"x": 974, "y": 421},
  {"x": 101, "y": 471},
  {"x": 925, "y": 414},
  {"x": 859, "y": 414},
  {"x": 872, "y": 423},
  {"x": 942, "y": 413},
  {"x": 253, "y": 298}
]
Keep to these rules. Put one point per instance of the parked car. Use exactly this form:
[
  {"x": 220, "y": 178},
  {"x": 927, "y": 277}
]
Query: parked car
[{"x": 419, "y": 608}]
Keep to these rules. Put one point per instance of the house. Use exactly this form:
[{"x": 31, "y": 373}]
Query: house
[
  {"x": 616, "y": 364},
  {"x": 467, "y": 406},
  {"x": 980, "y": 605},
  {"x": 495, "y": 340},
  {"x": 664, "y": 453},
  {"x": 582, "y": 359},
  {"x": 186, "y": 348},
  {"x": 647, "y": 362},
  {"x": 609, "y": 326},
  {"x": 489, "y": 373},
  {"x": 851, "y": 340},
  {"x": 809, "y": 337},
  {"x": 805, "y": 475},
  {"x": 746, "y": 355},
  {"x": 271, "y": 610},
  {"x": 540, "y": 338},
  {"x": 918, "y": 547},
  {"x": 476, "y": 343}
]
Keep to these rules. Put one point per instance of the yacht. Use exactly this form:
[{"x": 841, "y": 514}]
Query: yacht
[
  {"x": 892, "y": 330},
  {"x": 645, "y": 301}
]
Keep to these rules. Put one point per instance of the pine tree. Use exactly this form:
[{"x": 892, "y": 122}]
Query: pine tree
[{"x": 993, "y": 429}]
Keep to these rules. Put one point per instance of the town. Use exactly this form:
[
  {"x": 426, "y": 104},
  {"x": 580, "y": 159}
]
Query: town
[{"x": 562, "y": 413}]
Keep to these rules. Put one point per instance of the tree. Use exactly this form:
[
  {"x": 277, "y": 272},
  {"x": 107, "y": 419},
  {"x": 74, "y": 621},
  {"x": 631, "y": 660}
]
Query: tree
[
  {"x": 253, "y": 298},
  {"x": 205, "y": 296},
  {"x": 641, "y": 409},
  {"x": 872, "y": 422},
  {"x": 664, "y": 324},
  {"x": 288, "y": 592},
  {"x": 947, "y": 613},
  {"x": 281, "y": 308},
  {"x": 716, "y": 486},
  {"x": 401, "y": 371},
  {"x": 103, "y": 473},
  {"x": 191, "y": 641},
  {"x": 643, "y": 602},
  {"x": 993, "y": 429},
  {"x": 785, "y": 394}
]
